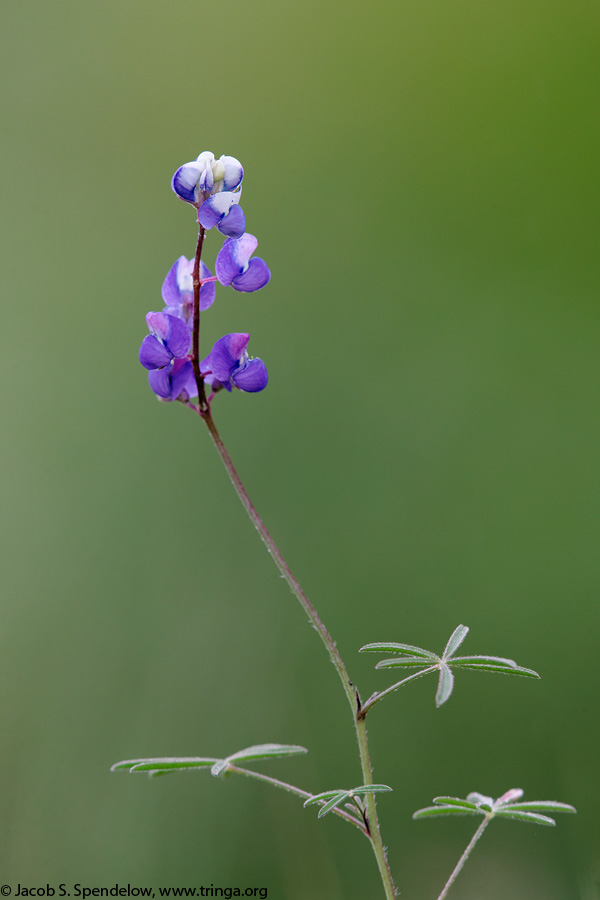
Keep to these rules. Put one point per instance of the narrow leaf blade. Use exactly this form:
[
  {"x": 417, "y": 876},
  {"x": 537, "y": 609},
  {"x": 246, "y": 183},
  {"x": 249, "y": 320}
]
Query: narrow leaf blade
[
  {"x": 455, "y": 801},
  {"x": 430, "y": 812},
  {"x": 324, "y": 795},
  {"x": 335, "y": 801},
  {"x": 455, "y": 640},
  {"x": 508, "y": 813},
  {"x": 370, "y": 789},
  {"x": 401, "y": 661},
  {"x": 496, "y": 667},
  {"x": 263, "y": 751},
  {"x": 393, "y": 647},
  {"x": 478, "y": 657},
  {"x": 164, "y": 763},
  {"x": 445, "y": 685},
  {"x": 543, "y": 806}
]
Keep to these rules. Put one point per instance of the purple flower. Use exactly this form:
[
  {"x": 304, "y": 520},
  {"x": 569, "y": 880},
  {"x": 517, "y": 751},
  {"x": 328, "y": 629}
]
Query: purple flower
[
  {"x": 178, "y": 289},
  {"x": 165, "y": 353},
  {"x": 228, "y": 365},
  {"x": 205, "y": 176},
  {"x": 175, "y": 381},
  {"x": 234, "y": 266},
  {"x": 169, "y": 338},
  {"x": 223, "y": 211}
]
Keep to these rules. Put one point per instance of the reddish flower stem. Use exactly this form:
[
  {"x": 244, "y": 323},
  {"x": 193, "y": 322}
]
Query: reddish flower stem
[{"x": 203, "y": 405}]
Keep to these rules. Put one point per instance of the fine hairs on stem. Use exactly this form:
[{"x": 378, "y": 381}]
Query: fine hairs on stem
[{"x": 177, "y": 372}]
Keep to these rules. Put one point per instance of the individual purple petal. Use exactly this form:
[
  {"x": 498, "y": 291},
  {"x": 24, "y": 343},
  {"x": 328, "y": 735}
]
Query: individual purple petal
[
  {"x": 183, "y": 380},
  {"x": 255, "y": 277},
  {"x": 251, "y": 377},
  {"x": 212, "y": 210},
  {"x": 242, "y": 249},
  {"x": 208, "y": 216},
  {"x": 160, "y": 383},
  {"x": 175, "y": 381},
  {"x": 158, "y": 325},
  {"x": 178, "y": 281},
  {"x": 170, "y": 290},
  {"x": 171, "y": 331},
  {"x": 233, "y": 172},
  {"x": 233, "y": 224},
  {"x": 185, "y": 182},
  {"x": 225, "y": 268},
  {"x": 226, "y": 354},
  {"x": 153, "y": 354},
  {"x": 192, "y": 178},
  {"x": 207, "y": 180},
  {"x": 207, "y": 291}
]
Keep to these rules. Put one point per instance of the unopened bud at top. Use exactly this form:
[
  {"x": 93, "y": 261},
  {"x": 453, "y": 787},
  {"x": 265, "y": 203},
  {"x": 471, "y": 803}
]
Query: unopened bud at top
[{"x": 196, "y": 181}]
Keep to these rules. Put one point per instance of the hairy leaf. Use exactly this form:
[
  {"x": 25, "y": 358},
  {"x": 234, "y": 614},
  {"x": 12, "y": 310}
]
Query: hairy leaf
[
  {"x": 392, "y": 647},
  {"x": 445, "y": 685},
  {"x": 455, "y": 640}
]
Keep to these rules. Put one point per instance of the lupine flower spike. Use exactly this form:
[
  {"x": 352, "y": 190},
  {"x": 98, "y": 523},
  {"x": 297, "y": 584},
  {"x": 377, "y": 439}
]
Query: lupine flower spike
[{"x": 213, "y": 187}]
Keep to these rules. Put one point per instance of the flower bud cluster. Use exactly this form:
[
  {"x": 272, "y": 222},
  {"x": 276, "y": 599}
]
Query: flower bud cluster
[{"x": 213, "y": 187}]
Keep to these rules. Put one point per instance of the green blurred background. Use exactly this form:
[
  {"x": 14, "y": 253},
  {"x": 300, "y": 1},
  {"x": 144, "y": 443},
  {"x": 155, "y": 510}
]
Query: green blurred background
[{"x": 422, "y": 178}]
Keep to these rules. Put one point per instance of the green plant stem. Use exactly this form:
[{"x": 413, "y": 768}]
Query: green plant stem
[
  {"x": 371, "y": 805},
  {"x": 298, "y": 792},
  {"x": 460, "y": 864},
  {"x": 349, "y": 689}
]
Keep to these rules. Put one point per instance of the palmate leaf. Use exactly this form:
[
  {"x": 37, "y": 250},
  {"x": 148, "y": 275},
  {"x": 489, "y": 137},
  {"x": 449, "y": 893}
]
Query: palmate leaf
[
  {"x": 480, "y": 804},
  {"x": 168, "y": 764},
  {"x": 408, "y": 656},
  {"x": 338, "y": 796}
]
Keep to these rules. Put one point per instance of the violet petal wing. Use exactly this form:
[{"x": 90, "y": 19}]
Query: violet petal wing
[
  {"x": 207, "y": 291},
  {"x": 233, "y": 224},
  {"x": 226, "y": 354},
  {"x": 153, "y": 355},
  {"x": 160, "y": 382},
  {"x": 185, "y": 182},
  {"x": 208, "y": 216},
  {"x": 207, "y": 295},
  {"x": 255, "y": 277},
  {"x": 182, "y": 379},
  {"x": 179, "y": 339},
  {"x": 242, "y": 249},
  {"x": 252, "y": 377},
  {"x": 170, "y": 289},
  {"x": 158, "y": 324},
  {"x": 233, "y": 172},
  {"x": 225, "y": 268}
]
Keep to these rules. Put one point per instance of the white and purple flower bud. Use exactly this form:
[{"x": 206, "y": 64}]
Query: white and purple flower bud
[{"x": 195, "y": 181}]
